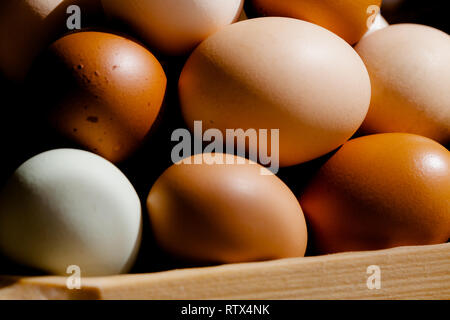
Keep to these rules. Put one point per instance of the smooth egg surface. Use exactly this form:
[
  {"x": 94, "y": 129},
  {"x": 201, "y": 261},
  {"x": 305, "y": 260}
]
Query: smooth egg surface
[
  {"x": 278, "y": 73},
  {"x": 409, "y": 68},
  {"x": 174, "y": 27},
  {"x": 100, "y": 90},
  {"x": 378, "y": 192},
  {"x": 69, "y": 207},
  {"x": 225, "y": 213}
]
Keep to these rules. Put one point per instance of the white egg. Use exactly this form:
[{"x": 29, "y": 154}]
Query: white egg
[
  {"x": 70, "y": 207},
  {"x": 174, "y": 27},
  {"x": 28, "y": 26}
]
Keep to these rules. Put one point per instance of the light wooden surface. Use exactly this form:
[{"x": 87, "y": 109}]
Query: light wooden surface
[{"x": 406, "y": 273}]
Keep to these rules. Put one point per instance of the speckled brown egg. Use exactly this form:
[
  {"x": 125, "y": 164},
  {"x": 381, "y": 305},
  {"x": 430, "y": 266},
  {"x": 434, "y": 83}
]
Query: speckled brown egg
[
  {"x": 211, "y": 212},
  {"x": 378, "y": 192},
  {"x": 101, "y": 90}
]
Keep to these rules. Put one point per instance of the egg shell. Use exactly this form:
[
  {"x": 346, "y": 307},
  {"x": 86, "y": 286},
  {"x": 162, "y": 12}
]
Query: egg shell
[
  {"x": 70, "y": 207},
  {"x": 278, "y": 73},
  {"x": 28, "y": 26},
  {"x": 225, "y": 213},
  {"x": 347, "y": 18},
  {"x": 409, "y": 68},
  {"x": 100, "y": 90},
  {"x": 378, "y": 192},
  {"x": 174, "y": 27}
]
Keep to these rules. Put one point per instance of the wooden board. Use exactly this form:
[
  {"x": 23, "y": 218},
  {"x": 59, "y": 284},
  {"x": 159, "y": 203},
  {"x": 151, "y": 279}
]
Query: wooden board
[{"x": 406, "y": 273}]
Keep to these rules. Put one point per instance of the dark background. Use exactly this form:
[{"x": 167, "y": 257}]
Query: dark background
[{"x": 435, "y": 13}]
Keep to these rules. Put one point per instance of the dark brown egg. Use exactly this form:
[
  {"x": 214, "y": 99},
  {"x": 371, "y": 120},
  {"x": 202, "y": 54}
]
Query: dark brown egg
[
  {"x": 100, "y": 90},
  {"x": 378, "y": 192}
]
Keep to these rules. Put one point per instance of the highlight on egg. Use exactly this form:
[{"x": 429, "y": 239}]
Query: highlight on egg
[
  {"x": 174, "y": 27},
  {"x": 409, "y": 68},
  {"x": 278, "y": 73},
  {"x": 215, "y": 212},
  {"x": 69, "y": 207},
  {"x": 100, "y": 90},
  {"x": 378, "y": 192}
]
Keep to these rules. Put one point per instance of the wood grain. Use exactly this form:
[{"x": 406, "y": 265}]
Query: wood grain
[{"x": 406, "y": 273}]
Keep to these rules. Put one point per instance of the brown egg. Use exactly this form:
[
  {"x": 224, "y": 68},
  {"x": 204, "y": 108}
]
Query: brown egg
[
  {"x": 28, "y": 26},
  {"x": 409, "y": 67},
  {"x": 225, "y": 213},
  {"x": 347, "y": 18},
  {"x": 380, "y": 191},
  {"x": 101, "y": 90},
  {"x": 278, "y": 73}
]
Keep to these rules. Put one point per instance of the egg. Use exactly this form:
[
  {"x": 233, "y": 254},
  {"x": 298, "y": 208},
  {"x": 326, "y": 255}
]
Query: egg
[
  {"x": 347, "y": 18},
  {"x": 28, "y": 26},
  {"x": 378, "y": 24},
  {"x": 380, "y": 191},
  {"x": 68, "y": 207},
  {"x": 101, "y": 90},
  {"x": 206, "y": 211},
  {"x": 174, "y": 27},
  {"x": 409, "y": 68},
  {"x": 278, "y": 73}
]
